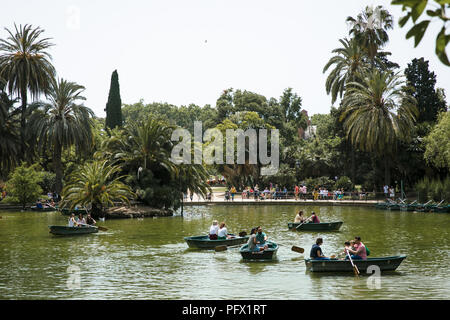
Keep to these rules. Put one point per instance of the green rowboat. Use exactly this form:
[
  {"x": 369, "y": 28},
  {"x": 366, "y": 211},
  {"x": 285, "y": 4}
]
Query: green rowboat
[
  {"x": 68, "y": 212},
  {"x": 334, "y": 265},
  {"x": 203, "y": 242},
  {"x": 323, "y": 226},
  {"x": 268, "y": 254},
  {"x": 69, "y": 231}
]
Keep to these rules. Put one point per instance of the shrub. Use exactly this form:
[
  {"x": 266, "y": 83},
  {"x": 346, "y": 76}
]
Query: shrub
[
  {"x": 23, "y": 185},
  {"x": 344, "y": 183}
]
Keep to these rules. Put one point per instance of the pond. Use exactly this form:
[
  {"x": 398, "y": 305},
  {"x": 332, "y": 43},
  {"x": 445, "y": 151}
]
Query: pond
[{"x": 149, "y": 259}]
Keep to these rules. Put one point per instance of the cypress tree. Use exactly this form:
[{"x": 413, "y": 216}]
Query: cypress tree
[{"x": 114, "y": 104}]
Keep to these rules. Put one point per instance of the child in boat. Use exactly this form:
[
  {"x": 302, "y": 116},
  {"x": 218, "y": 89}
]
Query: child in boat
[
  {"x": 347, "y": 245},
  {"x": 214, "y": 230}
]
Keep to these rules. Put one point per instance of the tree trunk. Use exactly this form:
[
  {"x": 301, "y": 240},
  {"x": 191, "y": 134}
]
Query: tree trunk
[
  {"x": 387, "y": 171},
  {"x": 23, "y": 123},
  {"x": 353, "y": 169},
  {"x": 57, "y": 162}
]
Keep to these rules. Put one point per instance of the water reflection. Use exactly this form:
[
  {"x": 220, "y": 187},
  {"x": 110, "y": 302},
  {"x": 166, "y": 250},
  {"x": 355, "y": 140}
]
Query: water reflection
[{"x": 149, "y": 259}]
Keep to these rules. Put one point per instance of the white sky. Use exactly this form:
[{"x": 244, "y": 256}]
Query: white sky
[{"x": 160, "y": 53}]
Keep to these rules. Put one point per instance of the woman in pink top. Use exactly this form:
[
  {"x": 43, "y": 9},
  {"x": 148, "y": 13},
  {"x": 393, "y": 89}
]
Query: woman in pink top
[{"x": 359, "y": 252}]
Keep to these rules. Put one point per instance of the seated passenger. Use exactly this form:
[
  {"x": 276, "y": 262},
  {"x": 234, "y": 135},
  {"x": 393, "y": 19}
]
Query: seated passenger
[
  {"x": 299, "y": 217},
  {"x": 314, "y": 218},
  {"x": 261, "y": 238},
  {"x": 72, "y": 222},
  {"x": 214, "y": 230},
  {"x": 90, "y": 221},
  {"x": 359, "y": 250},
  {"x": 252, "y": 246},
  {"x": 316, "y": 251},
  {"x": 81, "y": 221},
  {"x": 223, "y": 233}
]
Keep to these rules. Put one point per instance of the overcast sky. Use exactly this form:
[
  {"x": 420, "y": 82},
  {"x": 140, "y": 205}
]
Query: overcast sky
[{"x": 189, "y": 51}]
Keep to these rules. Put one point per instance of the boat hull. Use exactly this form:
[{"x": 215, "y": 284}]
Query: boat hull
[
  {"x": 323, "y": 226},
  {"x": 269, "y": 254},
  {"x": 45, "y": 209},
  {"x": 69, "y": 231},
  {"x": 68, "y": 212},
  {"x": 203, "y": 242},
  {"x": 384, "y": 263}
]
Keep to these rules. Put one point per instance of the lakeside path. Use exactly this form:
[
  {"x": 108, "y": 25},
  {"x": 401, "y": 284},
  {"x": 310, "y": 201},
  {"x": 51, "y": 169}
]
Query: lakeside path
[{"x": 219, "y": 198}]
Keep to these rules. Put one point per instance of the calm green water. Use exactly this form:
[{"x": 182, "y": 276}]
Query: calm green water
[{"x": 148, "y": 258}]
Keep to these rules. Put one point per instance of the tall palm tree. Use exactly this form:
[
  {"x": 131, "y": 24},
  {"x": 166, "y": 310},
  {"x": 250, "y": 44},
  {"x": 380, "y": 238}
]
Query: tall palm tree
[
  {"x": 377, "y": 113},
  {"x": 148, "y": 143},
  {"x": 348, "y": 63},
  {"x": 9, "y": 132},
  {"x": 97, "y": 185},
  {"x": 62, "y": 122},
  {"x": 370, "y": 27},
  {"x": 25, "y": 65}
]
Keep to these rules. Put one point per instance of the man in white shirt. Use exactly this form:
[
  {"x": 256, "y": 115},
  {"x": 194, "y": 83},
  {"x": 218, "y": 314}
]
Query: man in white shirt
[{"x": 214, "y": 230}]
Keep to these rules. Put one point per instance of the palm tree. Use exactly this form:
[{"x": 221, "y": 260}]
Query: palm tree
[
  {"x": 147, "y": 144},
  {"x": 369, "y": 29},
  {"x": 9, "y": 132},
  {"x": 97, "y": 185},
  {"x": 192, "y": 177},
  {"x": 377, "y": 113},
  {"x": 25, "y": 65},
  {"x": 62, "y": 122},
  {"x": 349, "y": 62}
]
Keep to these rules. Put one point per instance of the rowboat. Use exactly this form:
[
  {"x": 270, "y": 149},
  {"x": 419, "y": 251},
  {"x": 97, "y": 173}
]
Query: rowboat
[
  {"x": 203, "y": 242},
  {"x": 43, "y": 209},
  {"x": 68, "y": 231},
  {"x": 68, "y": 212},
  {"x": 268, "y": 254},
  {"x": 322, "y": 226},
  {"x": 334, "y": 265}
]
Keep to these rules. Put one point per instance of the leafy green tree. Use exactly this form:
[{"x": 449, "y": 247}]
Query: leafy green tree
[
  {"x": 62, "y": 122},
  {"x": 415, "y": 10},
  {"x": 23, "y": 185},
  {"x": 423, "y": 81},
  {"x": 114, "y": 105},
  {"x": 378, "y": 113},
  {"x": 25, "y": 65},
  {"x": 437, "y": 143},
  {"x": 96, "y": 185},
  {"x": 9, "y": 132}
]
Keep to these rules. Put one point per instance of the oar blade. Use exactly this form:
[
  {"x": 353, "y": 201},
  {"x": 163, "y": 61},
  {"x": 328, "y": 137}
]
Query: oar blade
[
  {"x": 297, "y": 249},
  {"x": 220, "y": 248},
  {"x": 102, "y": 228}
]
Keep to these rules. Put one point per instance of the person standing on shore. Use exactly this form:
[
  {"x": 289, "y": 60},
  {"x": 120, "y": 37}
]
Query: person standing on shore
[{"x": 296, "y": 191}]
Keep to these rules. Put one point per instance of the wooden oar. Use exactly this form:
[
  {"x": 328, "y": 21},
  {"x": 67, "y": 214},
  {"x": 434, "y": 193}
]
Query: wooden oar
[
  {"x": 297, "y": 249},
  {"x": 355, "y": 268},
  {"x": 98, "y": 227},
  {"x": 302, "y": 223},
  {"x": 220, "y": 248}
]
